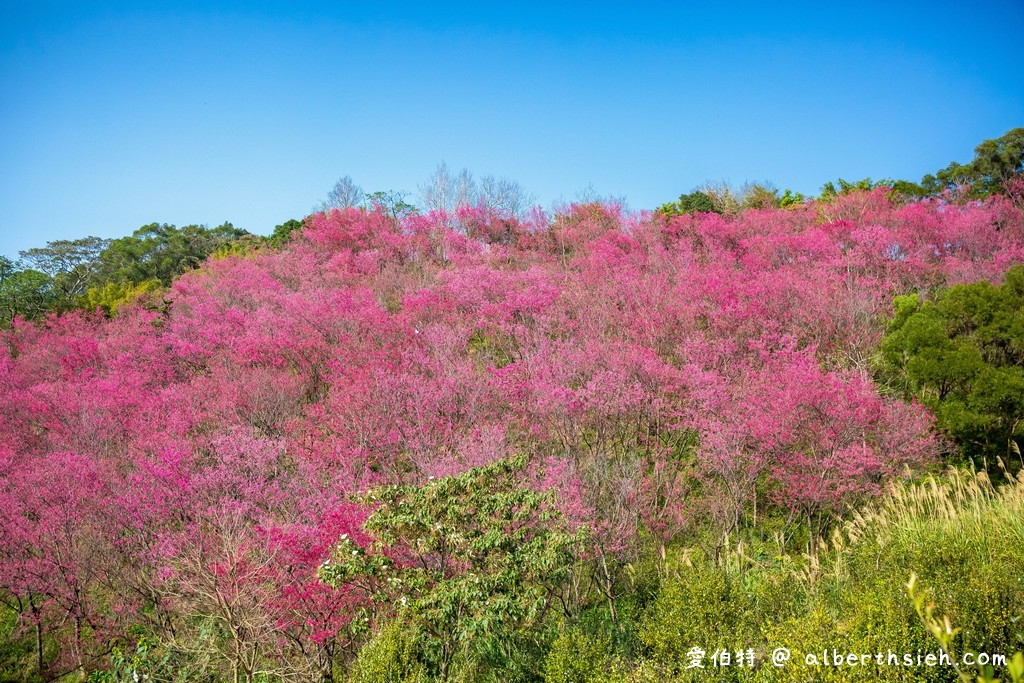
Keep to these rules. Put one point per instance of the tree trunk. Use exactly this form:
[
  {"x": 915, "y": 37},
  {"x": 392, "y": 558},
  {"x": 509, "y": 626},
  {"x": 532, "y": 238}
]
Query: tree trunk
[{"x": 39, "y": 635}]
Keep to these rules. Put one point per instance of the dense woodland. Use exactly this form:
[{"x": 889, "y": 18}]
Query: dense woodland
[{"x": 478, "y": 442}]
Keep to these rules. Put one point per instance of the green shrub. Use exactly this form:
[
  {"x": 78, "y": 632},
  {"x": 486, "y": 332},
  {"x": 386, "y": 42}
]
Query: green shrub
[
  {"x": 576, "y": 657},
  {"x": 389, "y": 657},
  {"x": 702, "y": 607}
]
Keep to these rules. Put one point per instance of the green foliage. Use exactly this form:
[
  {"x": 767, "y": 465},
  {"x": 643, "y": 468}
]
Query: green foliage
[
  {"x": 964, "y": 537},
  {"x": 725, "y": 607},
  {"x": 995, "y": 161},
  {"x": 283, "y": 232},
  {"x": 695, "y": 202},
  {"x": 496, "y": 349},
  {"x": 27, "y": 293},
  {"x": 245, "y": 246},
  {"x": 98, "y": 273},
  {"x": 391, "y": 656},
  {"x": 830, "y": 190},
  {"x": 945, "y": 634},
  {"x": 18, "y": 653},
  {"x": 72, "y": 264},
  {"x": 962, "y": 534},
  {"x": 701, "y": 606},
  {"x": 790, "y": 199},
  {"x": 951, "y": 177},
  {"x": 147, "y": 661},
  {"x": 111, "y": 296},
  {"x": 162, "y": 252},
  {"x": 908, "y": 188},
  {"x": 576, "y": 657},
  {"x": 962, "y": 355},
  {"x": 481, "y": 563}
]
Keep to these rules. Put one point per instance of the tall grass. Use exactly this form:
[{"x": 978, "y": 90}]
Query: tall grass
[{"x": 963, "y": 536}]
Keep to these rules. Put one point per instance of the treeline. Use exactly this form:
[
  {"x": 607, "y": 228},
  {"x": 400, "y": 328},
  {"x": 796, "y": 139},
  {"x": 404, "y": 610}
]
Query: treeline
[
  {"x": 92, "y": 272},
  {"x": 996, "y": 162}
]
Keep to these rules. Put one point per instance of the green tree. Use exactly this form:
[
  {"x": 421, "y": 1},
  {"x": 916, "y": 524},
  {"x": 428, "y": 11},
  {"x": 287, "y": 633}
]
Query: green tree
[
  {"x": 995, "y": 161},
  {"x": 28, "y": 293},
  {"x": 71, "y": 264},
  {"x": 480, "y": 564},
  {"x": 695, "y": 202},
  {"x": 790, "y": 199},
  {"x": 963, "y": 355},
  {"x": 162, "y": 252},
  {"x": 830, "y": 190},
  {"x": 911, "y": 189},
  {"x": 283, "y": 232}
]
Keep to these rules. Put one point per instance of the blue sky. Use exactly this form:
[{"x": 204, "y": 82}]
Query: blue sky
[{"x": 116, "y": 114}]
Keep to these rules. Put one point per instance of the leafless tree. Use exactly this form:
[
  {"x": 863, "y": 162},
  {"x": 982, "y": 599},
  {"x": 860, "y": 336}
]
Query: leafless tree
[
  {"x": 504, "y": 196},
  {"x": 343, "y": 195},
  {"x": 445, "y": 191}
]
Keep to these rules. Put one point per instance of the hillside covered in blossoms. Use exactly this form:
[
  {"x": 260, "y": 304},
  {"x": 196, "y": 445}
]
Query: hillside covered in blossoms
[{"x": 569, "y": 446}]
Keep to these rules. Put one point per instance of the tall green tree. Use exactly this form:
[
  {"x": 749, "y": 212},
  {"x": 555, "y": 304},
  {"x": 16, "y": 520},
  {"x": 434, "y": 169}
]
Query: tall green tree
[
  {"x": 963, "y": 355},
  {"x": 162, "y": 252},
  {"x": 23, "y": 292},
  {"x": 71, "y": 264},
  {"x": 995, "y": 161}
]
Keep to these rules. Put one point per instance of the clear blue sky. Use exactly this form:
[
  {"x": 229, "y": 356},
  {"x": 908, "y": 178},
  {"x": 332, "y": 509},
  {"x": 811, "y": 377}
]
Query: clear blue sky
[{"x": 118, "y": 114}]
